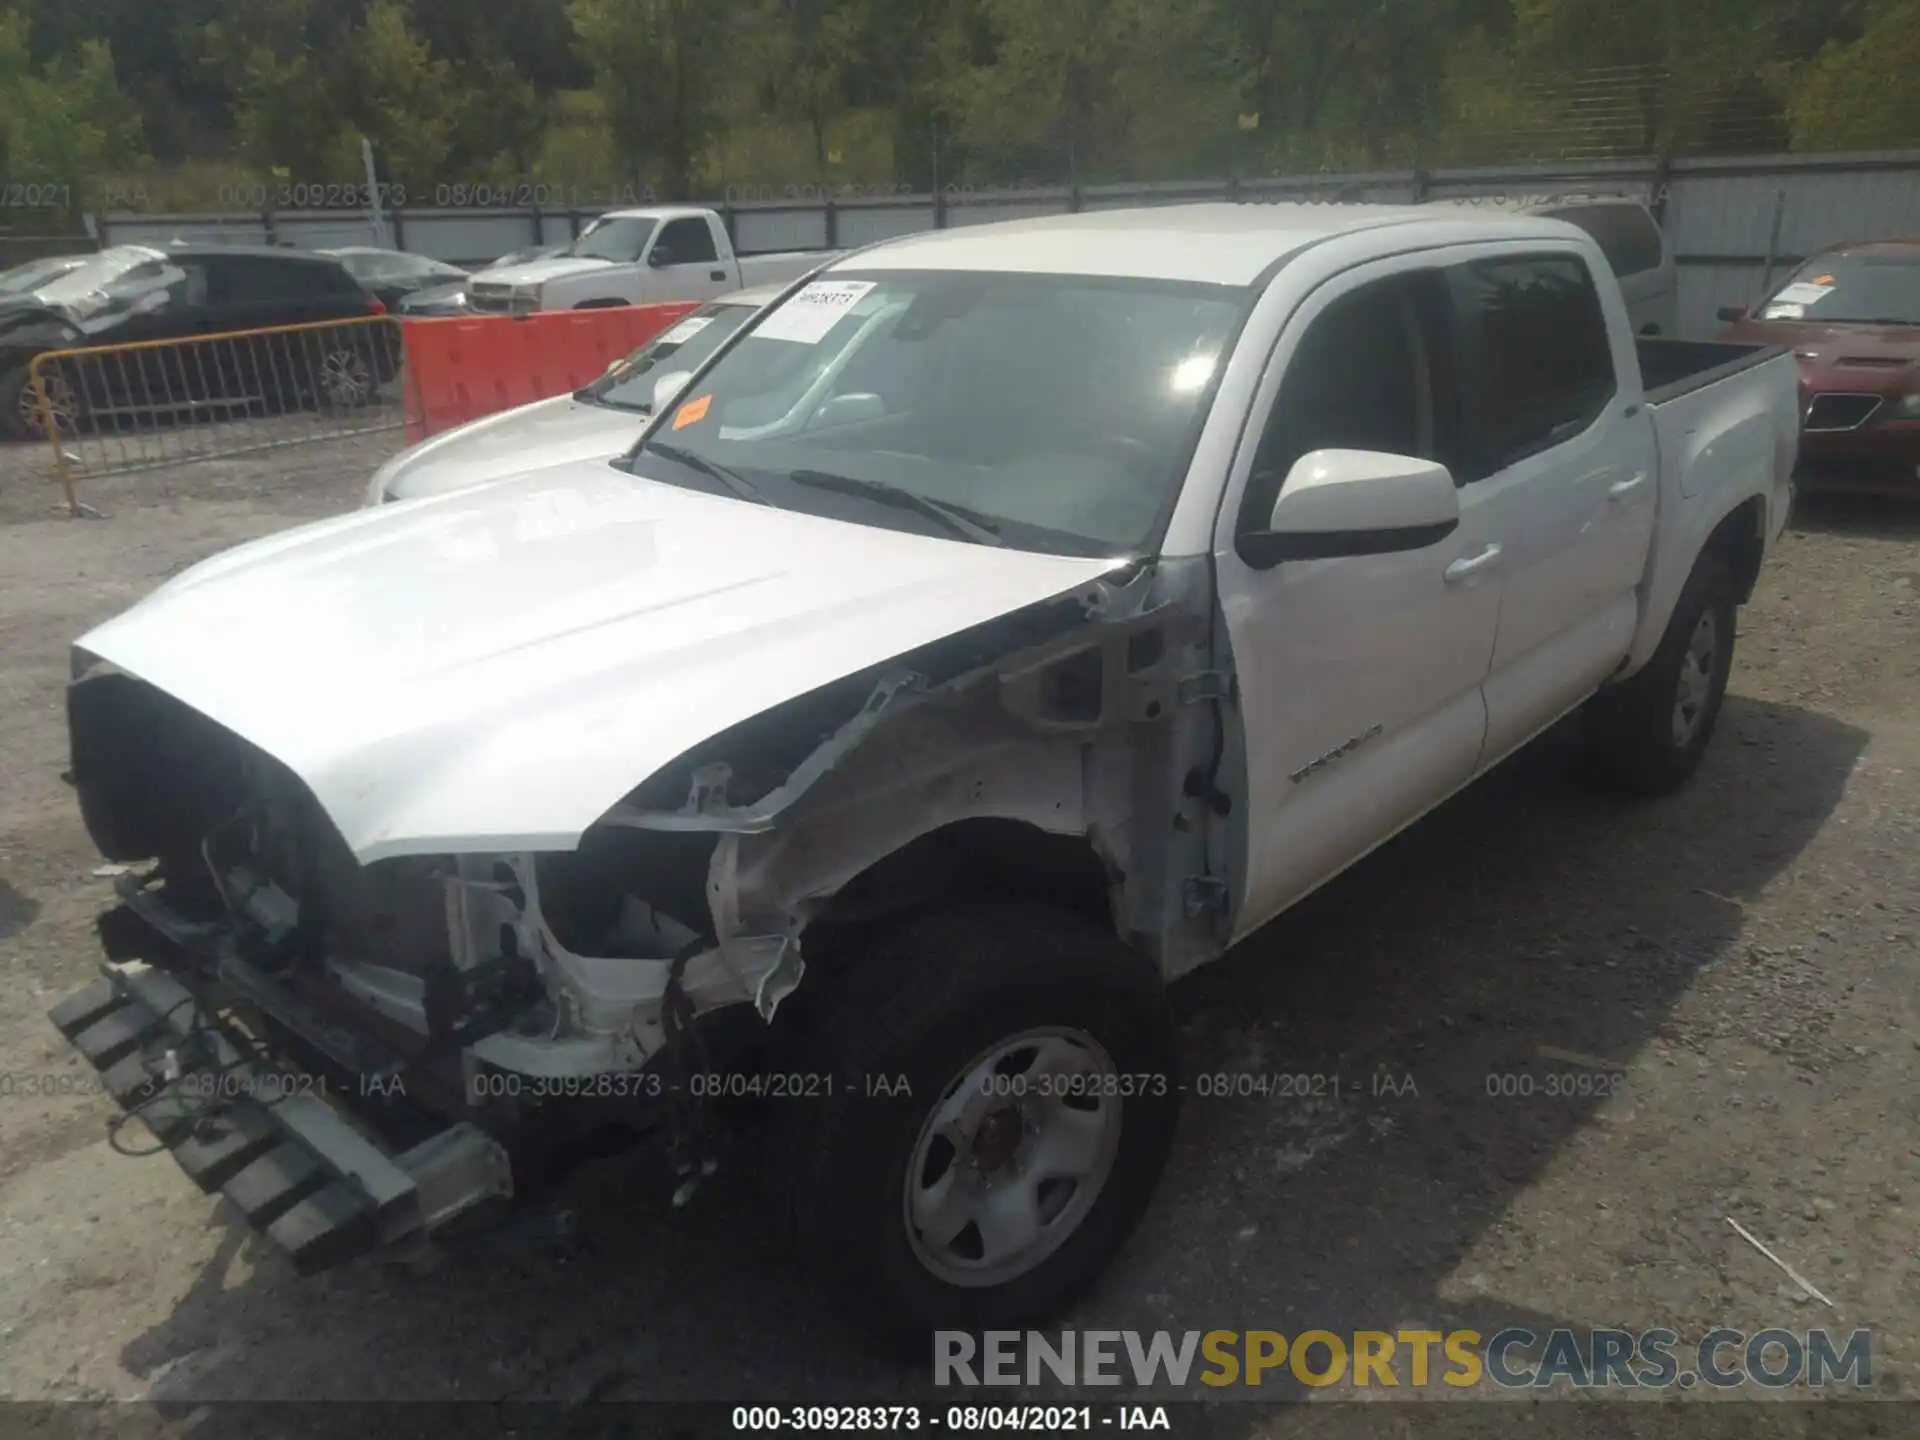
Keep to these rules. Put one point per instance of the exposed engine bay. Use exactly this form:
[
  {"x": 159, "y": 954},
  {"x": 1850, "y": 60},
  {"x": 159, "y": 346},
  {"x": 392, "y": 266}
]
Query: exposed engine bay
[{"x": 1048, "y": 741}]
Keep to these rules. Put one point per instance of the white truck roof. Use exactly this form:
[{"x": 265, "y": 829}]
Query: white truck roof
[
  {"x": 1230, "y": 244},
  {"x": 657, "y": 212}
]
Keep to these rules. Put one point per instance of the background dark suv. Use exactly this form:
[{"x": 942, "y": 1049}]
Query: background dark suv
[{"x": 131, "y": 293}]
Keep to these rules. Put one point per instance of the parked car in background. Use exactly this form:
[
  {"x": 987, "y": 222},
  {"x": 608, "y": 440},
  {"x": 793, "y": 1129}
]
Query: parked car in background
[
  {"x": 597, "y": 422},
  {"x": 1076, "y": 595},
  {"x": 1631, "y": 239},
  {"x": 635, "y": 257},
  {"x": 130, "y": 293},
  {"x": 394, "y": 274},
  {"x": 32, "y": 274},
  {"x": 436, "y": 300},
  {"x": 1852, "y": 316},
  {"x": 521, "y": 257}
]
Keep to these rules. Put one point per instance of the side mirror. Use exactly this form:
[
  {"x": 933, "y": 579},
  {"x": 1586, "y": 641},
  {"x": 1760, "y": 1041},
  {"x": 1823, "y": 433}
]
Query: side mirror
[
  {"x": 668, "y": 387},
  {"x": 1357, "y": 502},
  {"x": 659, "y": 256},
  {"x": 1731, "y": 313},
  {"x": 848, "y": 409}
]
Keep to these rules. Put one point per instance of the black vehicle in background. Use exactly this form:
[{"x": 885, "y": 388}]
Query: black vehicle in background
[
  {"x": 394, "y": 275},
  {"x": 131, "y": 293}
]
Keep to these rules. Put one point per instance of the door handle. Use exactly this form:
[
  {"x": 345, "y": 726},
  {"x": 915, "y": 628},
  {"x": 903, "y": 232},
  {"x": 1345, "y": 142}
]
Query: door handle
[
  {"x": 716, "y": 274},
  {"x": 1621, "y": 489},
  {"x": 1467, "y": 568}
]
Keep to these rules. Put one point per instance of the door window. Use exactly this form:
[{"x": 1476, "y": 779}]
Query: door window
[
  {"x": 1362, "y": 378},
  {"x": 687, "y": 242},
  {"x": 1535, "y": 356},
  {"x": 258, "y": 282}
]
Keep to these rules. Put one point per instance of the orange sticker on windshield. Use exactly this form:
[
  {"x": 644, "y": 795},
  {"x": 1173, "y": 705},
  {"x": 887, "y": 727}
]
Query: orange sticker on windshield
[
  {"x": 693, "y": 412},
  {"x": 1823, "y": 280}
]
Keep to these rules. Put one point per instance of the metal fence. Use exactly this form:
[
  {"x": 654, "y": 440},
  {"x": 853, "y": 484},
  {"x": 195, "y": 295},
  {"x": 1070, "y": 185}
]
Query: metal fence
[
  {"x": 110, "y": 409},
  {"x": 1724, "y": 216}
]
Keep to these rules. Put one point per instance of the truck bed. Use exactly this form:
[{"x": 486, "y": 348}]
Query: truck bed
[{"x": 1672, "y": 368}]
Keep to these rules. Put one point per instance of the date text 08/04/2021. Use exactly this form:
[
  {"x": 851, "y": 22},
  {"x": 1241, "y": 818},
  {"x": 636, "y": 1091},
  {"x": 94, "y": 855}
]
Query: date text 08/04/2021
[{"x": 892, "y": 1419}]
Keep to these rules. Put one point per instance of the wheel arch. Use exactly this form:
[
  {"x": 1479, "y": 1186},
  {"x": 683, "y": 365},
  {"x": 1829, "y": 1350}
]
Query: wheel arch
[{"x": 976, "y": 858}]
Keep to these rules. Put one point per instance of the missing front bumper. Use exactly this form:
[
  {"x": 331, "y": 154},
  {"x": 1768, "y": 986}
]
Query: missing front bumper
[{"x": 295, "y": 1164}]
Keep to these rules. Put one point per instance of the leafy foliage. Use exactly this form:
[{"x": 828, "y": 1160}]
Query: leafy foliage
[{"x": 690, "y": 96}]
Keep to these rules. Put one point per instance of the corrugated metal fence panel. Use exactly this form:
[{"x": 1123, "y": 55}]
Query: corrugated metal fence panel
[
  {"x": 868, "y": 224},
  {"x": 1719, "y": 214},
  {"x": 759, "y": 231},
  {"x": 158, "y": 229},
  {"x": 555, "y": 229},
  {"x": 1541, "y": 182},
  {"x": 470, "y": 236},
  {"x": 1704, "y": 289}
]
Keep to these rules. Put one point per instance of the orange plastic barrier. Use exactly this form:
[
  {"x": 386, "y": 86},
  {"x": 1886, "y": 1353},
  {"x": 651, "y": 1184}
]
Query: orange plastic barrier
[{"x": 460, "y": 369}]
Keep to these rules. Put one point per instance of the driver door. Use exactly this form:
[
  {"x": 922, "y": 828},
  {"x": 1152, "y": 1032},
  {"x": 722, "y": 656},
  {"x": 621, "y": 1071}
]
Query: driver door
[
  {"x": 683, "y": 263},
  {"x": 1360, "y": 677}
]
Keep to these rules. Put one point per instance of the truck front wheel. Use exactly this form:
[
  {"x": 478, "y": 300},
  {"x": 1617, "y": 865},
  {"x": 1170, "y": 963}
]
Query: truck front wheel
[
  {"x": 994, "y": 1103},
  {"x": 1648, "y": 733}
]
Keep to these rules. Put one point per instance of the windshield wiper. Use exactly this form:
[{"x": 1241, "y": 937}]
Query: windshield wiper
[
  {"x": 956, "y": 521},
  {"x": 738, "y": 484}
]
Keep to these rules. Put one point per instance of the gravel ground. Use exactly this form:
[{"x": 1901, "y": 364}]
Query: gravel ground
[{"x": 1744, "y": 952}]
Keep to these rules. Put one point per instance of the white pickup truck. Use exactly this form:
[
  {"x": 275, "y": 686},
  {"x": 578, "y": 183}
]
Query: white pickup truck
[
  {"x": 636, "y": 257},
  {"x": 876, "y": 739}
]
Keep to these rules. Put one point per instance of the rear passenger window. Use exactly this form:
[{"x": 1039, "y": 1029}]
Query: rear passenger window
[
  {"x": 1626, "y": 234},
  {"x": 258, "y": 280},
  {"x": 1536, "y": 359},
  {"x": 1364, "y": 377}
]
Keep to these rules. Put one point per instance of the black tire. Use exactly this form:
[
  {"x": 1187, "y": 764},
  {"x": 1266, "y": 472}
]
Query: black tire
[
  {"x": 1633, "y": 729},
  {"x": 921, "y": 1001}
]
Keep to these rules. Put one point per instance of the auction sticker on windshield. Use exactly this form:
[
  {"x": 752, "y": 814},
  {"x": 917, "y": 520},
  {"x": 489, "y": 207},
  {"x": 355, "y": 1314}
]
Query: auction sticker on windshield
[
  {"x": 693, "y": 412},
  {"x": 686, "y": 330},
  {"x": 809, "y": 315}
]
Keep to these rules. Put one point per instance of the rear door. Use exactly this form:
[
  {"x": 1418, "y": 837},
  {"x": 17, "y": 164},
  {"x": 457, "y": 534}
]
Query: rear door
[
  {"x": 1360, "y": 677},
  {"x": 1559, "y": 453},
  {"x": 684, "y": 262},
  {"x": 253, "y": 293}
]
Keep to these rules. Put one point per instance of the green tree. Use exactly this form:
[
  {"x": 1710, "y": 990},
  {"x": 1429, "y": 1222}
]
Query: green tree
[
  {"x": 1863, "y": 94},
  {"x": 61, "y": 123},
  {"x": 659, "y": 66}
]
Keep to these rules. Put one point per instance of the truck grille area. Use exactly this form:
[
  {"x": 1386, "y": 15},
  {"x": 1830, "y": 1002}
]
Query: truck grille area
[
  {"x": 158, "y": 780},
  {"x": 1840, "y": 412}
]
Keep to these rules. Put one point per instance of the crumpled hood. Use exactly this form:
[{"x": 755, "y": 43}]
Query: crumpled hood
[
  {"x": 545, "y": 433},
  {"x": 536, "y": 271},
  {"x": 492, "y": 670}
]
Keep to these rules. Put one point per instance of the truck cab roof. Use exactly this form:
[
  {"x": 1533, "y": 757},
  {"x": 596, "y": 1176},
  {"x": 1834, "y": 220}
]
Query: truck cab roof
[{"x": 1224, "y": 243}]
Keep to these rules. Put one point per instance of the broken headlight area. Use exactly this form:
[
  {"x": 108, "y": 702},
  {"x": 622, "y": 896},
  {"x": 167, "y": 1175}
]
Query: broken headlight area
[{"x": 561, "y": 961}]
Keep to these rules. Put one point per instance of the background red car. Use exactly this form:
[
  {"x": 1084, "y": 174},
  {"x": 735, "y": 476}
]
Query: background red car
[{"x": 1852, "y": 315}]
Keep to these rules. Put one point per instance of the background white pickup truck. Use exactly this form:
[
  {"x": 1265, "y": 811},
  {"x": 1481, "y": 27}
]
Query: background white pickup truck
[
  {"x": 636, "y": 257},
  {"x": 1002, "y": 624}
]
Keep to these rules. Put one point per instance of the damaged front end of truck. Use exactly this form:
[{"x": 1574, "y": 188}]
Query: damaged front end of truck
[{"x": 360, "y": 1054}]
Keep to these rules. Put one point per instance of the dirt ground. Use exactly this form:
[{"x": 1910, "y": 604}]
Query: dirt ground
[{"x": 1744, "y": 952}]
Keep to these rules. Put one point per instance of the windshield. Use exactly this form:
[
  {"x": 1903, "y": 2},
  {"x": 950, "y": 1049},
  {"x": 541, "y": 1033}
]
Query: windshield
[
  {"x": 22, "y": 278},
  {"x": 1058, "y": 411},
  {"x": 622, "y": 240},
  {"x": 96, "y": 273},
  {"x": 1870, "y": 288},
  {"x": 687, "y": 344}
]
